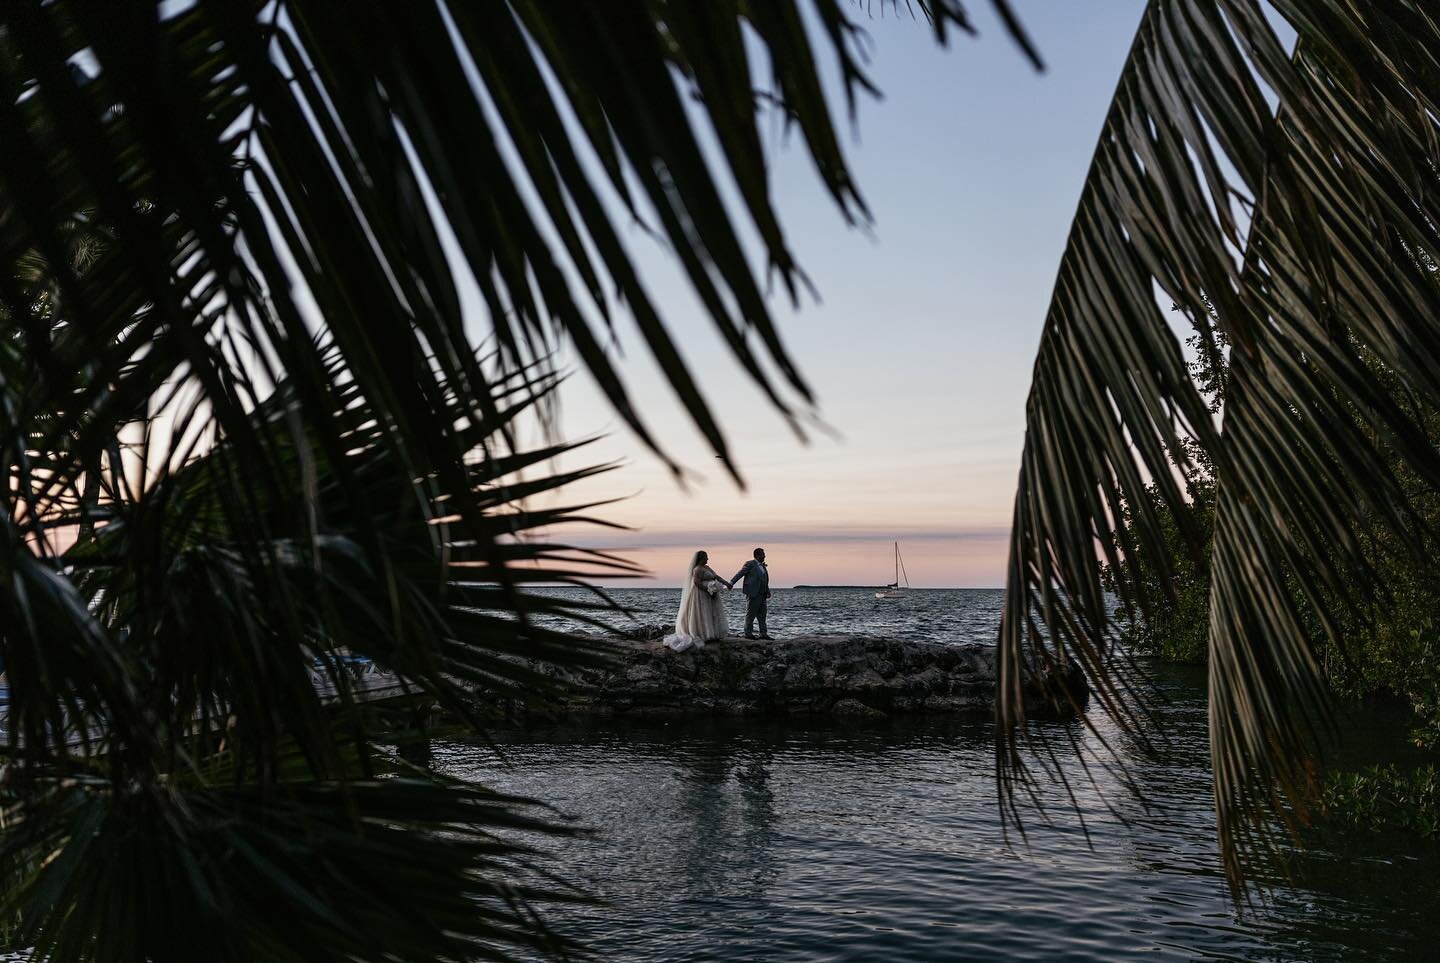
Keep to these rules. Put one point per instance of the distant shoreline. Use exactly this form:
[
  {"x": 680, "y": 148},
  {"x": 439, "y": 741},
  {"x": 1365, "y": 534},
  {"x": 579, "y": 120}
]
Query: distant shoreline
[
  {"x": 790, "y": 588},
  {"x": 912, "y": 588},
  {"x": 867, "y": 587}
]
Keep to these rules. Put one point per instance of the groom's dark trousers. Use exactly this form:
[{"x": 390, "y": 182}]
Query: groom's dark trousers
[
  {"x": 755, "y": 609},
  {"x": 757, "y": 589}
]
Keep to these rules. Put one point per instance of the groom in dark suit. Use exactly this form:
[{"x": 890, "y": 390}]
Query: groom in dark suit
[{"x": 757, "y": 592}]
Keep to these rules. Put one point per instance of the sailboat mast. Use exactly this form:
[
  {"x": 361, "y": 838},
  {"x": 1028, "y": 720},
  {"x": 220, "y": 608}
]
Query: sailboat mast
[{"x": 894, "y": 589}]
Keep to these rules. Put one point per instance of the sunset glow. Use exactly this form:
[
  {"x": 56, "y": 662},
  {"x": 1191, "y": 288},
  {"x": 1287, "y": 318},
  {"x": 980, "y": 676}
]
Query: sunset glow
[{"x": 919, "y": 349}]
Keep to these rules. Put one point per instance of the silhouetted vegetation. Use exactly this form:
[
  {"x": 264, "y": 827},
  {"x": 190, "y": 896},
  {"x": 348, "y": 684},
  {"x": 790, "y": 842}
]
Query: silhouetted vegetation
[
  {"x": 260, "y": 446},
  {"x": 1283, "y": 196}
]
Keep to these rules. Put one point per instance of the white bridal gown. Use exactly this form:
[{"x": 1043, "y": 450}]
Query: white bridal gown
[{"x": 701, "y": 617}]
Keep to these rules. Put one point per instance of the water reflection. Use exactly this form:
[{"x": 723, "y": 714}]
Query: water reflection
[
  {"x": 801, "y": 840},
  {"x": 728, "y": 846}
]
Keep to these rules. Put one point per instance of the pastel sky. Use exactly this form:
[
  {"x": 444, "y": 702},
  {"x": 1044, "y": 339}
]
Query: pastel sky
[{"x": 921, "y": 346}]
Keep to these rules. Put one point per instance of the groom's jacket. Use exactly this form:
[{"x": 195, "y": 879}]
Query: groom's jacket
[{"x": 757, "y": 579}]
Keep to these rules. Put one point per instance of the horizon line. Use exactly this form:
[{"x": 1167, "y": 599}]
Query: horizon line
[{"x": 877, "y": 585}]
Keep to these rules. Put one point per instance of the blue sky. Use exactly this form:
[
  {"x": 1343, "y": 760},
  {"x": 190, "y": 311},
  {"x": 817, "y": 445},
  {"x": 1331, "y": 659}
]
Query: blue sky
[{"x": 921, "y": 345}]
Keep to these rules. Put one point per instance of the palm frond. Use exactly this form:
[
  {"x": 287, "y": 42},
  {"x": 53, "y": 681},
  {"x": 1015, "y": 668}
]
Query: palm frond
[
  {"x": 439, "y": 871},
  {"x": 188, "y": 626},
  {"x": 1289, "y": 197},
  {"x": 247, "y": 433}
]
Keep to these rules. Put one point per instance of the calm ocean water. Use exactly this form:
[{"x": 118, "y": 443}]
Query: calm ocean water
[
  {"x": 828, "y": 840},
  {"x": 948, "y": 615}
]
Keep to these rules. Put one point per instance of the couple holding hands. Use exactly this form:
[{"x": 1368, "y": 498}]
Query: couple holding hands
[{"x": 702, "y": 618}]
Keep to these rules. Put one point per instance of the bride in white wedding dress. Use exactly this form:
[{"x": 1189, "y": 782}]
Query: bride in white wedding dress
[{"x": 701, "y": 617}]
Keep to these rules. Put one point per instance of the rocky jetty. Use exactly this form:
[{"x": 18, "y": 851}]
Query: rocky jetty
[{"x": 846, "y": 675}]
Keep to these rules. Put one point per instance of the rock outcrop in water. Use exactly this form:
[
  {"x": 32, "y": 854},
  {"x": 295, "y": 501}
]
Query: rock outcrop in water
[{"x": 844, "y": 675}]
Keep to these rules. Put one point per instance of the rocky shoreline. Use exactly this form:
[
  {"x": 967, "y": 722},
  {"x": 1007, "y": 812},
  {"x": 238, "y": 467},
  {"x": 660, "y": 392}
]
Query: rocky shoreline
[{"x": 858, "y": 676}]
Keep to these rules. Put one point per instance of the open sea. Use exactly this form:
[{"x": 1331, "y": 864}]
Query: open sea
[
  {"x": 827, "y": 839},
  {"x": 946, "y": 615}
]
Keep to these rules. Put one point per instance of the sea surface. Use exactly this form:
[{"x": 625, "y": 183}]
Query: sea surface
[
  {"x": 945, "y": 615},
  {"x": 800, "y": 839}
]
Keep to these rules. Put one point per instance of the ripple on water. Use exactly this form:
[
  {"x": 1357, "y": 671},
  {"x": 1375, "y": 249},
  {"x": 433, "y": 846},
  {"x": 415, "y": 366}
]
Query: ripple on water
[
  {"x": 882, "y": 841},
  {"x": 787, "y": 841}
]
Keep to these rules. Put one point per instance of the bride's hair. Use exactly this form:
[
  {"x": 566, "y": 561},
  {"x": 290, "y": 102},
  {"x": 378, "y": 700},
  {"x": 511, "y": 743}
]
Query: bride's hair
[{"x": 694, "y": 561}]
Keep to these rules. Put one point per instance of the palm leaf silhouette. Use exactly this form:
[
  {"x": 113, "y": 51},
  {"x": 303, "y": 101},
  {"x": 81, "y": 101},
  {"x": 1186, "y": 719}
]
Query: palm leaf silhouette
[
  {"x": 248, "y": 432},
  {"x": 1287, "y": 196}
]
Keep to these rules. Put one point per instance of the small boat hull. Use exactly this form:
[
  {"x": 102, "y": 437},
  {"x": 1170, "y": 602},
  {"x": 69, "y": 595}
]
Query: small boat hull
[{"x": 897, "y": 588}]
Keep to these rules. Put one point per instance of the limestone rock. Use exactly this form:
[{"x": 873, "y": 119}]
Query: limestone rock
[
  {"x": 854, "y": 707},
  {"x": 859, "y": 676}
]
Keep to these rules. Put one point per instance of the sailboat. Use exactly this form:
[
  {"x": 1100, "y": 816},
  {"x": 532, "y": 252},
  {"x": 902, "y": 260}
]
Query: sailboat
[{"x": 895, "y": 590}]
